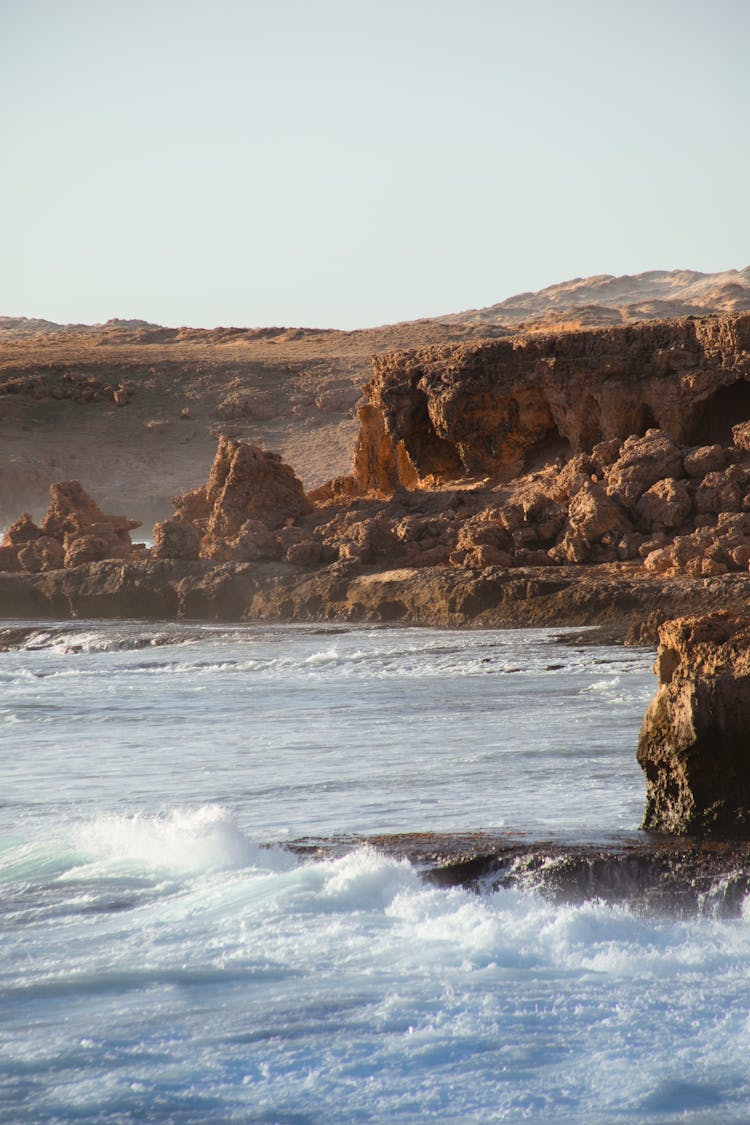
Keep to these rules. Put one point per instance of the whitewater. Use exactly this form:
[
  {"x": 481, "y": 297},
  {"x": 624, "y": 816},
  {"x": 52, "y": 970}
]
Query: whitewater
[{"x": 165, "y": 955}]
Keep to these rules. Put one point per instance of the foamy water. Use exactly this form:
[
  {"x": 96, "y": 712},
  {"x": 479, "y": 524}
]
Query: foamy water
[{"x": 161, "y": 962}]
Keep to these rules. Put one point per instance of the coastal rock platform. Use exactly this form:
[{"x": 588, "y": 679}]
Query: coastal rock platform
[
  {"x": 623, "y": 599},
  {"x": 646, "y": 872}
]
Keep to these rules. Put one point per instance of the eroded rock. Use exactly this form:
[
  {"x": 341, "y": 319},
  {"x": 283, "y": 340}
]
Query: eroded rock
[
  {"x": 250, "y": 493},
  {"x": 694, "y": 745},
  {"x": 73, "y": 531}
]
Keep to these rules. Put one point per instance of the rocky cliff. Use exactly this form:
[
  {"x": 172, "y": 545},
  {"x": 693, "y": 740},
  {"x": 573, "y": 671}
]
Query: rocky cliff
[
  {"x": 503, "y": 406},
  {"x": 694, "y": 745}
]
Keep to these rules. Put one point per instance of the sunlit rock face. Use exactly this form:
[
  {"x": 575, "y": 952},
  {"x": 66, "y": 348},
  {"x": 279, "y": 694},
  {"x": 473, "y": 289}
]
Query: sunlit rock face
[
  {"x": 694, "y": 745},
  {"x": 500, "y": 407}
]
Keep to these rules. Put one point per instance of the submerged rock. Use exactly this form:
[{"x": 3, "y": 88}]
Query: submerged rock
[{"x": 694, "y": 745}]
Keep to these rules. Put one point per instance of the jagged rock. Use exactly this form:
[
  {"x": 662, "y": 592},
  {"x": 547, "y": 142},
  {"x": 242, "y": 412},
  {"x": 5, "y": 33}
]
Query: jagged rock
[
  {"x": 741, "y": 436},
  {"x": 21, "y": 532},
  {"x": 665, "y": 504},
  {"x": 247, "y": 482},
  {"x": 249, "y": 494},
  {"x": 641, "y": 463},
  {"x": 254, "y": 541},
  {"x": 593, "y": 514},
  {"x": 73, "y": 531},
  {"x": 176, "y": 539},
  {"x": 72, "y": 510},
  {"x": 573, "y": 475},
  {"x": 193, "y": 507},
  {"x": 705, "y": 459},
  {"x": 41, "y": 554},
  {"x": 492, "y": 408},
  {"x": 92, "y": 547},
  {"x": 694, "y": 746},
  {"x": 722, "y": 491},
  {"x": 306, "y": 553}
]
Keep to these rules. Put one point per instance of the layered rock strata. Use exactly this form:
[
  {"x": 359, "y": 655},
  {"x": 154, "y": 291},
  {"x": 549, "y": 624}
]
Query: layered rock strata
[{"x": 694, "y": 745}]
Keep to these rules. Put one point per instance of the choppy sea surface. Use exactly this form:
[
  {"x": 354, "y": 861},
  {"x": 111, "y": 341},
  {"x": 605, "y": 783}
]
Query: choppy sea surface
[{"x": 160, "y": 962}]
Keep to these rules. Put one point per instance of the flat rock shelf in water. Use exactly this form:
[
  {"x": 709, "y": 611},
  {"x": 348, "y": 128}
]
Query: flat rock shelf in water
[
  {"x": 166, "y": 956},
  {"x": 649, "y": 874}
]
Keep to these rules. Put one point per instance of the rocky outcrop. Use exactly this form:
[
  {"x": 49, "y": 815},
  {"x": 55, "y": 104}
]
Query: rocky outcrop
[
  {"x": 694, "y": 745},
  {"x": 620, "y": 601},
  {"x": 73, "y": 532},
  {"x": 497, "y": 407},
  {"x": 250, "y": 495}
]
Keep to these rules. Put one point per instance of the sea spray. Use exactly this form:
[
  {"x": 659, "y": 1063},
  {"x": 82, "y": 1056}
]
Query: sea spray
[{"x": 159, "y": 963}]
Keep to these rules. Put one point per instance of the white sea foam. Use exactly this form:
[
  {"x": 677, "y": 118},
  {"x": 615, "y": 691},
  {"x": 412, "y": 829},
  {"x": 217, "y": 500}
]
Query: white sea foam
[
  {"x": 181, "y": 840},
  {"x": 158, "y": 964}
]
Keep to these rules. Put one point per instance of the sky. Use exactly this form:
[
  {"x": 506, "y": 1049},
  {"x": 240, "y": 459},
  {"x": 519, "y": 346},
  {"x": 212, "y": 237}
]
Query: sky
[{"x": 347, "y": 163}]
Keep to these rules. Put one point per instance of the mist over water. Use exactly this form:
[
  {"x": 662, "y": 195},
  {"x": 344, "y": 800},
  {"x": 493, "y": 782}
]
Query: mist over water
[{"x": 160, "y": 961}]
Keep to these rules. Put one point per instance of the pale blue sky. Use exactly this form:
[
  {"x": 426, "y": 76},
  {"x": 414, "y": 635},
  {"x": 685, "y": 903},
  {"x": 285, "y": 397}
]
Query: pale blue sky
[{"x": 345, "y": 163}]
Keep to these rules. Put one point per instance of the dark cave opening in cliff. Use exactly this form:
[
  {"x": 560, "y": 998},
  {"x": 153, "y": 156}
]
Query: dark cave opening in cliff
[
  {"x": 713, "y": 419},
  {"x": 645, "y": 420},
  {"x": 552, "y": 448}
]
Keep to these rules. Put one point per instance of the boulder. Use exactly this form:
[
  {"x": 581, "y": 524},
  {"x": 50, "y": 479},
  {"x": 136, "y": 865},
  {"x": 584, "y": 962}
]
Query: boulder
[
  {"x": 21, "y": 532},
  {"x": 176, "y": 539},
  {"x": 641, "y": 463},
  {"x": 722, "y": 491},
  {"x": 250, "y": 483},
  {"x": 592, "y": 514},
  {"x": 89, "y": 548},
  {"x": 41, "y": 554},
  {"x": 694, "y": 745},
  {"x": 704, "y": 459},
  {"x": 741, "y": 436},
  {"x": 666, "y": 504}
]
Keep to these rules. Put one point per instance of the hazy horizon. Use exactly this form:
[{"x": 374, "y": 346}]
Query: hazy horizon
[
  {"x": 364, "y": 327},
  {"x": 351, "y": 165}
]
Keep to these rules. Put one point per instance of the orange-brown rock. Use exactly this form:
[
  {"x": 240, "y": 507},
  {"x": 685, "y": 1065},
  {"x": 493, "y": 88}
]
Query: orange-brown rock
[
  {"x": 666, "y": 504},
  {"x": 73, "y": 511},
  {"x": 44, "y": 553},
  {"x": 176, "y": 539},
  {"x": 495, "y": 407},
  {"x": 21, "y": 532},
  {"x": 250, "y": 494},
  {"x": 694, "y": 745},
  {"x": 74, "y": 531},
  {"x": 642, "y": 461},
  {"x": 19, "y": 535}
]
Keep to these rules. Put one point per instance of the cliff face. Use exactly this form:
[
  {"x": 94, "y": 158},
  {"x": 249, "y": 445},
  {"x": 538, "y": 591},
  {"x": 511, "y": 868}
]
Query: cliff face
[
  {"x": 500, "y": 407},
  {"x": 694, "y": 746}
]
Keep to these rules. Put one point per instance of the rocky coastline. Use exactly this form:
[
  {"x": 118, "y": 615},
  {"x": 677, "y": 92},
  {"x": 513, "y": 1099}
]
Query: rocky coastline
[
  {"x": 592, "y": 479},
  {"x": 649, "y": 873}
]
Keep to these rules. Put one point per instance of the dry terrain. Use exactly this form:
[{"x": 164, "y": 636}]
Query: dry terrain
[{"x": 133, "y": 410}]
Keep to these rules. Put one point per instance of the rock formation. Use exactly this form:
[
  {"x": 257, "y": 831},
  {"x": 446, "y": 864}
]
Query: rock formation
[
  {"x": 249, "y": 495},
  {"x": 694, "y": 745},
  {"x": 497, "y": 407},
  {"x": 73, "y": 532},
  {"x": 479, "y": 465}
]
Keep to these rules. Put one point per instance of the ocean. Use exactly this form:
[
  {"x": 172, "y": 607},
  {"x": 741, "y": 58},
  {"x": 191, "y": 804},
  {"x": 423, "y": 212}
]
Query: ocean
[{"x": 164, "y": 957}]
